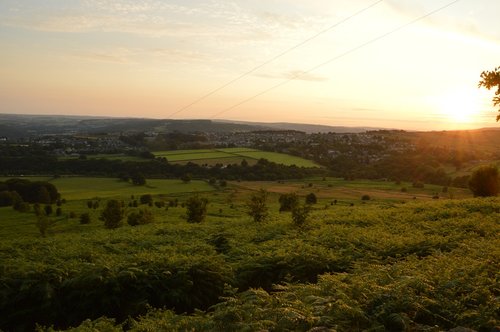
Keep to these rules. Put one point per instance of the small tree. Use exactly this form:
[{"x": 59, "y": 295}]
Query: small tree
[
  {"x": 485, "y": 181},
  {"x": 112, "y": 214},
  {"x": 140, "y": 217},
  {"x": 85, "y": 218},
  {"x": 196, "y": 209},
  {"x": 138, "y": 179},
  {"x": 43, "y": 224},
  {"x": 186, "y": 178},
  {"x": 311, "y": 199},
  {"x": 288, "y": 201},
  {"x": 300, "y": 213},
  {"x": 146, "y": 199},
  {"x": 257, "y": 206}
]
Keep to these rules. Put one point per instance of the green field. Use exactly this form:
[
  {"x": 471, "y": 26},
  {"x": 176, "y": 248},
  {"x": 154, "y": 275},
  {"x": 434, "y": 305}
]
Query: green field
[
  {"x": 355, "y": 265},
  {"x": 230, "y": 155}
]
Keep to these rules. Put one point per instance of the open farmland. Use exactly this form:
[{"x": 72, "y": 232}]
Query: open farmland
[{"x": 230, "y": 156}]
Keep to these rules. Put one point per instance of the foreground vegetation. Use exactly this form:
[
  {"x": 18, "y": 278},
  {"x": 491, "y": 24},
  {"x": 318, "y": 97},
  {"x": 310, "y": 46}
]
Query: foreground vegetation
[{"x": 373, "y": 266}]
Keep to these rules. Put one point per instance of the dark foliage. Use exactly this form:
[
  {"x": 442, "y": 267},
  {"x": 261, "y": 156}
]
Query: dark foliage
[
  {"x": 112, "y": 214},
  {"x": 140, "y": 217},
  {"x": 196, "y": 209},
  {"x": 32, "y": 191},
  {"x": 288, "y": 201},
  {"x": 485, "y": 181}
]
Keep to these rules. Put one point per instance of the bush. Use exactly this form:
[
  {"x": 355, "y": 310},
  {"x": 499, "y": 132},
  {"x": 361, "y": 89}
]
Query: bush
[
  {"x": 288, "y": 201},
  {"x": 196, "y": 209},
  {"x": 365, "y": 197},
  {"x": 146, "y": 199},
  {"x": 186, "y": 178},
  {"x": 485, "y": 182},
  {"x": 311, "y": 199},
  {"x": 141, "y": 217},
  {"x": 160, "y": 204},
  {"x": 43, "y": 224},
  {"x": 300, "y": 213},
  {"x": 84, "y": 218},
  {"x": 257, "y": 206},
  {"x": 112, "y": 214}
]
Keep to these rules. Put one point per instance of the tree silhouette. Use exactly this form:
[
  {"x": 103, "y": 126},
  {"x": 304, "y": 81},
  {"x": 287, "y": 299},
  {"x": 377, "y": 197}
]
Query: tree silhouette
[
  {"x": 489, "y": 80},
  {"x": 485, "y": 182},
  {"x": 196, "y": 209},
  {"x": 112, "y": 214}
]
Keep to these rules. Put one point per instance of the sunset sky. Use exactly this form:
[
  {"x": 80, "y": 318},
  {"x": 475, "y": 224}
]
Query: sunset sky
[{"x": 152, "y": 58}]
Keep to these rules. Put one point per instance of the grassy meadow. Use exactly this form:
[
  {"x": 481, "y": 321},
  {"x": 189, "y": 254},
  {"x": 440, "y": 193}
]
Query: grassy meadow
[
  {"x": 392, "y": 263},
  {"x": 230, "y": 156}
]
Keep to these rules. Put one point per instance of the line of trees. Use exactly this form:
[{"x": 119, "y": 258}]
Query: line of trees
[{"x": 157, "y": 168}]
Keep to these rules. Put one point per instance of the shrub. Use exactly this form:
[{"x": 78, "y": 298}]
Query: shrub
[
  {"x": 288, "y": 201},
  {"x": 485, "y": 182},
  {"x": 43, "y": 224},
  {"x": 196, "y": 209},
  {"x": 365, "y": 197},
  {"x": 160, "y": 204},
  {"x": 311, "y": 199},
  {"x": 186, "y": 178},
  {"x": 140, "y": 217},
  {"x": 112, "y": 214},
  {"x": 257, "y": 206},
  {"x": 300, "y": 213},
  {"x": 84, "y": 218},
  {"x": 146, "y": 199}
]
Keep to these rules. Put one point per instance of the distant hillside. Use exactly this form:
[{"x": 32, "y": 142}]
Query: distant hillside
[
  {"x": 17, "y": 126},
  {"x": 307, "y": 128}
]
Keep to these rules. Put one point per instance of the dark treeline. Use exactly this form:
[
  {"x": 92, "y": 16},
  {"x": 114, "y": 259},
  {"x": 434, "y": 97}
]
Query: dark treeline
[
  {"x": 155, "y": 168},
  {"x": 31, "y": 192}
]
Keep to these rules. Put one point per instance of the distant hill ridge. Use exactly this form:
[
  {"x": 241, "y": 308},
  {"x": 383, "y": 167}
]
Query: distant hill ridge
[{"x": 16, "y": 126}]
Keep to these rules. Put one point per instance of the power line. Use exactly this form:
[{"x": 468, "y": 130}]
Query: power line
[
  {"x": 274, "y": 58},
  {"x": 337, "y": 57}
]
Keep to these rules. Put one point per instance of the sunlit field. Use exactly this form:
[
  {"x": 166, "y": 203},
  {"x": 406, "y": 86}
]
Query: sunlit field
[{"x": 230, "y": 156}]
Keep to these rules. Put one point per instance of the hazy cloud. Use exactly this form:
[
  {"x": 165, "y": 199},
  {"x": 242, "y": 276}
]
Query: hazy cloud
[{"x": 295, "y": 75}]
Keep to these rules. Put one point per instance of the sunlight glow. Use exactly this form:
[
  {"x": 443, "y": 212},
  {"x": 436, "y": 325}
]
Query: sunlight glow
[{"x": 460, "y": 106}]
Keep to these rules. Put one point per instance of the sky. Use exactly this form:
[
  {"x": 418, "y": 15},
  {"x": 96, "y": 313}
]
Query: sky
[{"x": 331, "y": 64}]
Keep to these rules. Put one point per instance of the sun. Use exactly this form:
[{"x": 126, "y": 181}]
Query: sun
[{"x": 460, "y": 106}]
